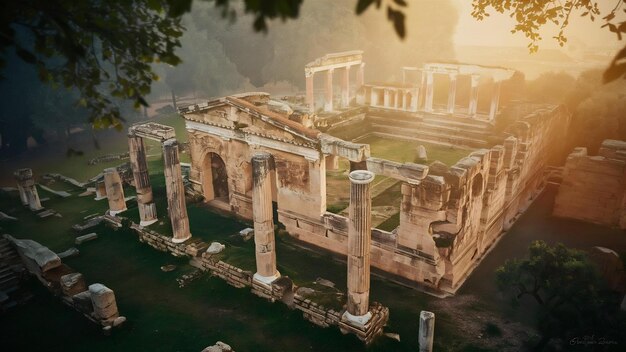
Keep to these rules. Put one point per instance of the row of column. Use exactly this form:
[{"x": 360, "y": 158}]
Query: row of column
[
  {"x": 328, "y": 90},
  {"x": 359, "y": 235},
  {"x": 175, "y": 189},
  {"x": 428, "y": 83}
]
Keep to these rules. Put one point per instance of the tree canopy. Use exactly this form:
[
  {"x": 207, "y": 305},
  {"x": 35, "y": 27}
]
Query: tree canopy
[
  {"x": 530, "y": 16},
  {"x": 570, "y": 296}
]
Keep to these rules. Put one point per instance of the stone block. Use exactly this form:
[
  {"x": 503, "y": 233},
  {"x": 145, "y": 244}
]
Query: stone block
[
  {"x": 84, "y": 238},
  {"x": 72, "y": 284},
  {"x": 103, "y": 299}
]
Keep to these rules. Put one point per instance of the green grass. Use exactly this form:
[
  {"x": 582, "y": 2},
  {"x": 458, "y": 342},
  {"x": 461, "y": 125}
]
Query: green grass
[
  {"x": 391, "y": 223},
  {"x": 406, "y": 151}
]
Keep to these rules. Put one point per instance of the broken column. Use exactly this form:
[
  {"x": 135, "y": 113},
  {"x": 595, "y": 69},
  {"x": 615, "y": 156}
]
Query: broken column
[
  {"x": 428, "y": 104},
  {"x": 452, "y": 93},
  {"x": 114, "y": 190},
  {"x": 473, "y": 104},
  {"x": 28, "y": 189},
  {"x": 359, "y": 239},
  {"x": 345, "y": 87},
  {"x": 310, "y": 97},
  {"x": 104, "y": 304},
  {"x": 328, "y": 93},
  {"x": 427, "y": 331},
  {"x": 175, "y": 190},
  {"x": 265, "y": 251},
  {"x": 139, "y": 165}
]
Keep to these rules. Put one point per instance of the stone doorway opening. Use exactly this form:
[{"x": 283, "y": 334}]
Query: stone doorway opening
[{"x": 215, "y": 178}]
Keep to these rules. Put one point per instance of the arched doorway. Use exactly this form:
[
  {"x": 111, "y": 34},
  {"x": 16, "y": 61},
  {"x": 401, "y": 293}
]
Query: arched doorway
[{"x": 215, "y": 178}]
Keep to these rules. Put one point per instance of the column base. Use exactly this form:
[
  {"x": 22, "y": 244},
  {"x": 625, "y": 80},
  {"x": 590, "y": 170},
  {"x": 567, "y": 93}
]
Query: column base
[
  {"x": 148, "y": 222},
  {"x": 265, "y": 280},
  {"x": 356, "y": 320},
  {"x": 181, "y": 240},
  {"x": 115, "y": 212}
]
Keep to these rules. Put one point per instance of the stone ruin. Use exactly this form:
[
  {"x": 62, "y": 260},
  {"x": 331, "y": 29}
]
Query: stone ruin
[
  {"x": 594, "y": 187},
  {"x": 449, "y": 216},
  {"x": 96, "y": 302}
]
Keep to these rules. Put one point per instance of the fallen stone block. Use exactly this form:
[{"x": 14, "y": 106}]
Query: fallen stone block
[
  {"x": 218, "y": 347},
  {"x": 247, "y": 233},
  {"x": 84, "y": 238},
  {"x": 103, "y": 299},
  {"x": 5, "y": 217},
  {"x": 82, "y": 302},
  {"x": 44, "y": 258},
  {"x": 215, "y": 248},
  {"x": 73, "y": 284}
]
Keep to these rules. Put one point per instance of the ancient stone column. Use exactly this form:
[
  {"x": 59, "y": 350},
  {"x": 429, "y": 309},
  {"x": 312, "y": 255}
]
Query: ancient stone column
[
  {"x": 427, "y": 331},
  {"x": 175, "y": 190},
  {"x": 114, "y": 190},
  {"x": 359, "y": 239},
  {"x": 495, "y": 99},
  {"x": 360, "y": 76},
  {"x": 473, "y": 103},
  {"x": 345, "y": 87},
  {"x": 310, "y": 97},
  {"x": 452, "y": 93},
  {"x": 328, "y": 93},
  {"x": 265, "y": 247},
  {"x": 145, "y": 201},
  {"x": 428, "y": 104},
  {"x": 28, "y": 189},
  {"x": 386, "y": 98},
  {"x": 373, "y": 97}
]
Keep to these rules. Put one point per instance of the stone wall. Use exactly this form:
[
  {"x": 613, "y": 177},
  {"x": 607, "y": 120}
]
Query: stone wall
[
  {"x": 594, "y": 187},
  {"x": 454, "y": 215},
  {"x": 282, "y": 289}
]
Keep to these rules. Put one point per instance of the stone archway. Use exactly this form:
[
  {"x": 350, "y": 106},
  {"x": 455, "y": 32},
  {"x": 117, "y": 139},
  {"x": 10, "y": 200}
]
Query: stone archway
[{"x": 215, "y": 178}]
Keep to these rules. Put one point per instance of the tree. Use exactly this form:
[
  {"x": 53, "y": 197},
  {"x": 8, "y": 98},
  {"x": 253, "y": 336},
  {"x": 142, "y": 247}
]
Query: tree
[
  {"x": 570, "y": 297},
  {"x": 532, "y": 15}
]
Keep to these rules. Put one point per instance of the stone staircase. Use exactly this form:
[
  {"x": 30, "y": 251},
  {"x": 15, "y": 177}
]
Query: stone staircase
[
  {"x": 432, "y": 128},
  {"x": 12, "y": 273}
]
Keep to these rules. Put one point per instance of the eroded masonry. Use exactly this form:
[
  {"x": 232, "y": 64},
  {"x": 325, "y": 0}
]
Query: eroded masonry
[{"x": 248, "y": 151}]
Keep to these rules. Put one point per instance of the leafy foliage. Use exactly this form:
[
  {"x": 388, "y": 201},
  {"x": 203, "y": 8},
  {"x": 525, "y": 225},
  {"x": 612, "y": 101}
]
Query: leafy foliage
[
  {"x": 532, "y": 15},
  {"x": 570, "y": 295}
]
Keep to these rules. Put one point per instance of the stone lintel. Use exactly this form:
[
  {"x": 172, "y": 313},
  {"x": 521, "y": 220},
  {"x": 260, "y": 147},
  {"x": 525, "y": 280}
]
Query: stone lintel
[
  {"x": 153, "y": 130},
  {"x": 409, "y": 172},
  {"x": 352, "y": 151}
]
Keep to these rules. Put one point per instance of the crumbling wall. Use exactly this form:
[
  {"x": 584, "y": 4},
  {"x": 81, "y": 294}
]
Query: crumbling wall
[{"x": 594, "y": 187}]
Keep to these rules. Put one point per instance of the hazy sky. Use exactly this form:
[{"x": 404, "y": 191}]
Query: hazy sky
[{"x": 496, "y": 30}]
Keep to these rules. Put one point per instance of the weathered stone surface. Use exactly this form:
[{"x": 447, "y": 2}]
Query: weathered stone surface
[
  {"x": 426, "y": 331},
  {"x": 70, "y": 252},
  {"x": 215, "y": 248},
  {"x": 103, "y": 299},
  {"x": 72, "y": 284},
  {"x": 247, "y": 233},
  {"x": 218, "y": 347},
  {"x": 114, "y": 191},
  {"x": 85, "y": 238},
  {"x": 119, "y": 321},
  {"x": 594, "y": 188},
  {"x": 5, "y": 217},
  {"x": 168, "y": 268},
  {"x": 175, "y": 189},
  {"x": 610, "y": 266},
  {"x": 82, "y": 302},
  {"x": 265, "y": 248},
  {"x": 41, "y": 256},
  {"x": 27, "y": 188}
]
